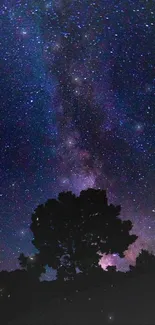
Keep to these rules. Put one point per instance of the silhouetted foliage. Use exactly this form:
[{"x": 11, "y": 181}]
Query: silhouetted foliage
[
  {"x": 111, "y": 269},
  {"x": 70, "y": 231},
  {"x": 145, "y": 263},
  {"x": 32, "y": 265}
]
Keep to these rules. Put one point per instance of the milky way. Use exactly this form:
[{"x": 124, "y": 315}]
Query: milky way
[{"x": 77, "y": 87}]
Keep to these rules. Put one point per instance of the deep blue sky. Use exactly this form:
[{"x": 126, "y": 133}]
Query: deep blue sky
[{"x": 77, "y": 89}]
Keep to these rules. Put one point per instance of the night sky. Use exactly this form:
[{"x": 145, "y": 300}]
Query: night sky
[{"x": 77, "y": 90}]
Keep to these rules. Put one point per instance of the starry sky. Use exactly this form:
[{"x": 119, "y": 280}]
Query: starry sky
[{"x": 77, "y": 89}]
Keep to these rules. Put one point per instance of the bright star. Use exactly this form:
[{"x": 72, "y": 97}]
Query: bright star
[{"x": 23, "y": 32}]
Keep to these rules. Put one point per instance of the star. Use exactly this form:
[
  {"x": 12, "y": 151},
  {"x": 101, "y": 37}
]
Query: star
[
  {"x": 24, "y": 32},
  {"x": 139, "y": 127}
]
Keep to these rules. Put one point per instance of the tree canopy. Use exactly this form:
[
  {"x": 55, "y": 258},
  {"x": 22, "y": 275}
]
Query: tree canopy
[{"x": 71, "y": 230}]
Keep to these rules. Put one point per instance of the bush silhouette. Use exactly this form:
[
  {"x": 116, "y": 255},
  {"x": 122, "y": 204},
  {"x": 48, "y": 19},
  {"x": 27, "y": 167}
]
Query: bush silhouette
[{"x": 145, "y": 263}]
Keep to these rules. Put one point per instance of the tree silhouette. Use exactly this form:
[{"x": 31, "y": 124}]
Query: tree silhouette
[
  {"x": 32, "y": 265},
  {"x": 69, "y": 232},
  {"x": 145, "y": 263}
]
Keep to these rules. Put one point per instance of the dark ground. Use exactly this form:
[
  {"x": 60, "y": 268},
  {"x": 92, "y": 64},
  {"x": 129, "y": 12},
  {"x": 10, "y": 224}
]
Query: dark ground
[{"x": 97, "y": 299}]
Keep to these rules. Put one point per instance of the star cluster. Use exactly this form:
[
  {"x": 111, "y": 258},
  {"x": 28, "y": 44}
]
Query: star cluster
[{"x": 77, "y": 87}]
